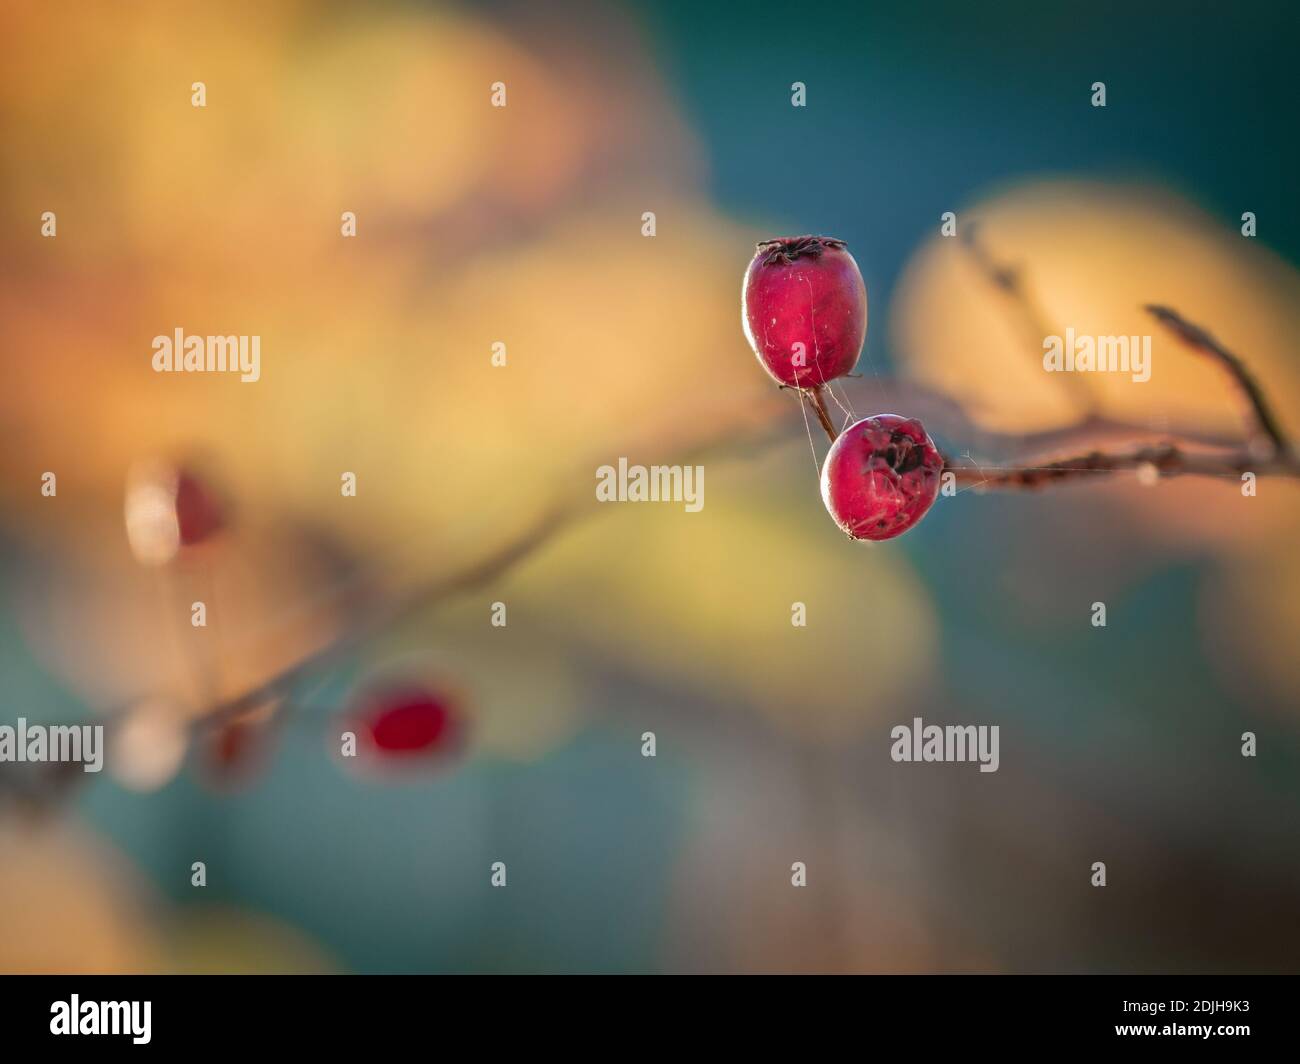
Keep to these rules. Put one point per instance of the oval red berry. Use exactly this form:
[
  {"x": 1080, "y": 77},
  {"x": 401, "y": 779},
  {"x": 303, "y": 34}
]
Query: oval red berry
[
  {"x": 410, "y": 721},
  {"x": 198, "y": 512},
  {"x": 804, "y": 309}
]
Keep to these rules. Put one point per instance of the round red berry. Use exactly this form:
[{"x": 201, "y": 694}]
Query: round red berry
[
  {"x": 804, "y": 309},
  {"x": 881, "y": 476}
]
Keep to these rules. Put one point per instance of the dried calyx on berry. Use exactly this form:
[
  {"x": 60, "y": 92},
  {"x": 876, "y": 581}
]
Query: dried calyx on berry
[
  {"x": 786, "y": 249},
  {"x": 804, "y": 309}
]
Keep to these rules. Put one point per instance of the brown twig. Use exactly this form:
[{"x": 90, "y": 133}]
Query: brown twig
[
  {"x": 376, "y": 621},
  {"x": 1261, "y": 425},
  {"x": 818, "y": 399},
  {"x": 408, "y": 604},
  {"x": 1162, "y": 460}
]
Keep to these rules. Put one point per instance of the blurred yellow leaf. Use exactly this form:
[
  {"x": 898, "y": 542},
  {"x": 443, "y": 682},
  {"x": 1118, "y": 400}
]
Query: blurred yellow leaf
[{"x": 1092, "y": 254}]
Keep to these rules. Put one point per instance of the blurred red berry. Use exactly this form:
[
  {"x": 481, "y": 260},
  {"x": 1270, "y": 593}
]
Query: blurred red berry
[
  {"x": 410, "y": 721},
  {"x": 805, "y": 291},
  {"x": 235, "y": 751},
  {"x": 881, "y": 476},
  {"x": 232, "y": 744},
  {"x": 198, "y": 512}
]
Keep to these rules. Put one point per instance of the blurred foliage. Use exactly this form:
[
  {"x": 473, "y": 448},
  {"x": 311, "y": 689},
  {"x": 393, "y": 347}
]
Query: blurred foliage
[{"x": 475, "y": 225}]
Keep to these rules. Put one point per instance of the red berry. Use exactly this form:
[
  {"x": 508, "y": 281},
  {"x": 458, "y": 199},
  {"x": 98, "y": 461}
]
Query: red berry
[
  {"x": 232, "y": 744},
  {"x": 881, "y": 476},
  {"x": 807, "y": 291},
  {"x": 410, "y": 721},
  {"x": 198, "y": 513}
]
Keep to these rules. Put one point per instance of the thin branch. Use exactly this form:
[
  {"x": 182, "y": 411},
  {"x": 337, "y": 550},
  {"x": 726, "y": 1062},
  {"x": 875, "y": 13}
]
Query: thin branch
[
  {"x": 1162, "y": 460},
  {"x": 1010, "y": 282},
  {"x": 1273, "y": 458},
  {"x": 1261, "y": 424},
  {"x": 818, "y": 400},
  {"x": 382, "y": 619},
  {"x": 379, "y": 620}
]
